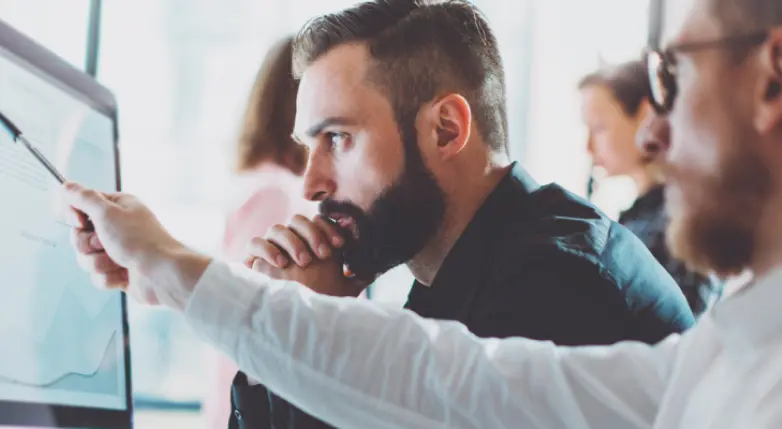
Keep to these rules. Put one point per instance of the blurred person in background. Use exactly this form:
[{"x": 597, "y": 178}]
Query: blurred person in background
[
  {"x": 269, "y": 165},
  {"x": 617, "y": 112}
]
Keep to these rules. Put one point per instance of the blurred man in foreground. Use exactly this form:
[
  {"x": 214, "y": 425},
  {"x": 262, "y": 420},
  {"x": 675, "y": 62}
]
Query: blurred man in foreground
[
  {"x": 616, "y": 110},
  {"x": 357, "y": 365}
]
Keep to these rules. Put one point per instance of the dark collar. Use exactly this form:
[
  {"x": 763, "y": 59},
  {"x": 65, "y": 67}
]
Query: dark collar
[
  {"x": 652, "y": 200},
  {"x": 470, "y": 262}
]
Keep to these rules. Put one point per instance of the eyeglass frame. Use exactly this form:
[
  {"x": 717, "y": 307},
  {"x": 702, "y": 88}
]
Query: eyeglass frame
[{"x": 663, "y": 76}]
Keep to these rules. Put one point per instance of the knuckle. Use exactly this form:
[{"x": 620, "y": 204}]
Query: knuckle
[
  {"x": 100, "y": 263},
  {"x": 83, "y": 242},
  {"x": 296, "y": 243},
  {"x": 276, "y": 229},
  {"x": 261, "y": 266},
  {"x": 256, "y": 243},
  {"x": 108, "y": 264},
  {"x": 88, "y": 193},
  {"x": 96, "y": 265},
  {"x": 269, "y": 248},
  {"x": 299, "y": 219},
  {"x": 112, "y": 211},
  {"x": 285, "y": 237}
]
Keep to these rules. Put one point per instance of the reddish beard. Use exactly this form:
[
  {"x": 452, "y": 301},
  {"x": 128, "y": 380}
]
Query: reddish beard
[{"x": 714, "y": 223}]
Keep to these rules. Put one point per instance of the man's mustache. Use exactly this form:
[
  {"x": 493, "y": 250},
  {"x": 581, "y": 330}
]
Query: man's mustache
[
  {"x": 345, "y": 208},
  {"x": 333, "y": 210}
]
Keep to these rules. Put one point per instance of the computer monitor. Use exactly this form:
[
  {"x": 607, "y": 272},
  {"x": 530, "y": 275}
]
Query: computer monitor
[{"x": 64, "y": 354}]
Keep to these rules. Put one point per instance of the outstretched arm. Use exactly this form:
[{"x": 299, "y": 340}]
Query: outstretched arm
[
  {"x": 358, "y": 365},
  {"x": 355, "y": 364}
]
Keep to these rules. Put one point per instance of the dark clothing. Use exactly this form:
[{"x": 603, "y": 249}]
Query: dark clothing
[
  {"x": 648, "y": 220},
  {"x": 535, "y": 262}
]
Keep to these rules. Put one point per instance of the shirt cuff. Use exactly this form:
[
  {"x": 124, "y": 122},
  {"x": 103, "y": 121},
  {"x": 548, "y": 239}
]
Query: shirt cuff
[{"x": 221, "y": 302}]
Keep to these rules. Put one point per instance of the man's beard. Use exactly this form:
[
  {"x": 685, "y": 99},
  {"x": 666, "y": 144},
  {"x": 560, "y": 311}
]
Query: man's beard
[
  {"x": 716, "y": 232},
  {"x": 400, "y": 222}
]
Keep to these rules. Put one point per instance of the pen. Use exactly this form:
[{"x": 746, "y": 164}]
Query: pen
[{"x": 18, "y": 137}]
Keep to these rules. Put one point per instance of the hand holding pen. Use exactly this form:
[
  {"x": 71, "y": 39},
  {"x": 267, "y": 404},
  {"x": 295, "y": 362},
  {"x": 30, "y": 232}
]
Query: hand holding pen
[{"x": 18, "y": 137}]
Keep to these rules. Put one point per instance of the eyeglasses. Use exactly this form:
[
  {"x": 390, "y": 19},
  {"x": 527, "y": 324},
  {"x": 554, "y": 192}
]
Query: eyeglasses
[{"x": 661, "y": 65}]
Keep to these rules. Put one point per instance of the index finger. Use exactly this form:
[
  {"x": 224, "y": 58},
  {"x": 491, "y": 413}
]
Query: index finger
[{"x": 88, "y": 201}]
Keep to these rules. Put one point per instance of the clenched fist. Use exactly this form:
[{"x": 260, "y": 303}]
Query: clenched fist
[{"x": 306, "y": 251}]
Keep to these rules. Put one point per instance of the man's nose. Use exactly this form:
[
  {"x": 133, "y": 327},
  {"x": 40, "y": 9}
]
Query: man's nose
[
  {"x": 318, "y": 180},
  {"x": 590, "y": 145},
  {"x": 654, "y": 136}
]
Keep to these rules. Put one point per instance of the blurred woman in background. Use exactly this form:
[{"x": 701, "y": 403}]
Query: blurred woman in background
[
  {"x": 269, "y": 165},
  {"x": 615, "y": 105},
  {"x": 269, "y": 162}
]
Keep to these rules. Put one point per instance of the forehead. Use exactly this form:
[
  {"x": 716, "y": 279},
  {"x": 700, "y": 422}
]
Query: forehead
[
  {"x": 336, "y": 85},
  {"x": 598, "y": 100},
  {"x": 686, "y": 21}
]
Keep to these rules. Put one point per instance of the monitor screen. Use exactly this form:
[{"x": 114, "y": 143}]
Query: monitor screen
[{"x": 64, "y": 359}]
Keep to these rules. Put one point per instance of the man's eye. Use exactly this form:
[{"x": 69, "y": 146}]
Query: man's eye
[{"x": 337, "y": 140}]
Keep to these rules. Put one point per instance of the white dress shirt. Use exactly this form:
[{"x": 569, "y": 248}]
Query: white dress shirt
[{"x": 358, "y": 365}]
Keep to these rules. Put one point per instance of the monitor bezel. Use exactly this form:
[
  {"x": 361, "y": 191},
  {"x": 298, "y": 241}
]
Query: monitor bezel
[{"x": 29, "y": 54}]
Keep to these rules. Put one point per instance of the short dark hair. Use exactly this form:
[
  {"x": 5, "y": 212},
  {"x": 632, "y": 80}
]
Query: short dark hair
[
  {"x": 628, "y": 83},
  {"x": 420, "y": 48},
  {"x": 747, "y": 15},
  {"x": 736, "y": 17},
  {"x": 271, "y": 109}
]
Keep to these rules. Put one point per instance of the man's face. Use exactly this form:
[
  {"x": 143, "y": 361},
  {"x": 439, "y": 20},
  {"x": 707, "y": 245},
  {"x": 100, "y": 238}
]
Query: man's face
[
  {"x": 364, "y": 167},
  {"x": 718, "y": 179}
]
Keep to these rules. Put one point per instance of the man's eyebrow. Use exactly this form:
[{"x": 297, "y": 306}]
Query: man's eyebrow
[{"x": 316, "y": 129}]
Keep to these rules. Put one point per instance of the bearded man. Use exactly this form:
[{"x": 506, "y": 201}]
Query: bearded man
[{"x": 408, "y": 155}]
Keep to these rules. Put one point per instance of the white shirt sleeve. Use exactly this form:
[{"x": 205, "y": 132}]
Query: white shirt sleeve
[{"x": 359, "y": 365}]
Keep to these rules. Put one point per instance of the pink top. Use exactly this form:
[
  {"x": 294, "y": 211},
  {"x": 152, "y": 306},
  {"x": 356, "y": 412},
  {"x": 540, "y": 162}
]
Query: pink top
[{"x": 267, "y": 196}]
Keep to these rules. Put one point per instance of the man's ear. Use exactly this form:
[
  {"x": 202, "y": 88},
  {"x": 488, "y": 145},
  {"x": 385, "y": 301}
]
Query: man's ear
[
  {"x": 769, "y": 115},
  {"x": 452, "y": 122}
]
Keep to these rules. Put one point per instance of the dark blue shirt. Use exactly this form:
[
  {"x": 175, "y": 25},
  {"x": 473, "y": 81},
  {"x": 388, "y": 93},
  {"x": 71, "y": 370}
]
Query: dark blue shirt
[
  {"x": 535, "y": 262},
  {"x": 647, "y": 219}
]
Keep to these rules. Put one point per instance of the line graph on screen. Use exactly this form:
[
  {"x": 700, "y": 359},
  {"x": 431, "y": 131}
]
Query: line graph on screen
[
  {"x": 54, "y": 361},
  {"x": 102, "y": 380},
  {"x": 63, "y": 343}
]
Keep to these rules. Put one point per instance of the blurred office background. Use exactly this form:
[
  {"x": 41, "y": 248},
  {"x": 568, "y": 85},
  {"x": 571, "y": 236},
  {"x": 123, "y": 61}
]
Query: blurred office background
[{"x": 182, "y": 70}]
